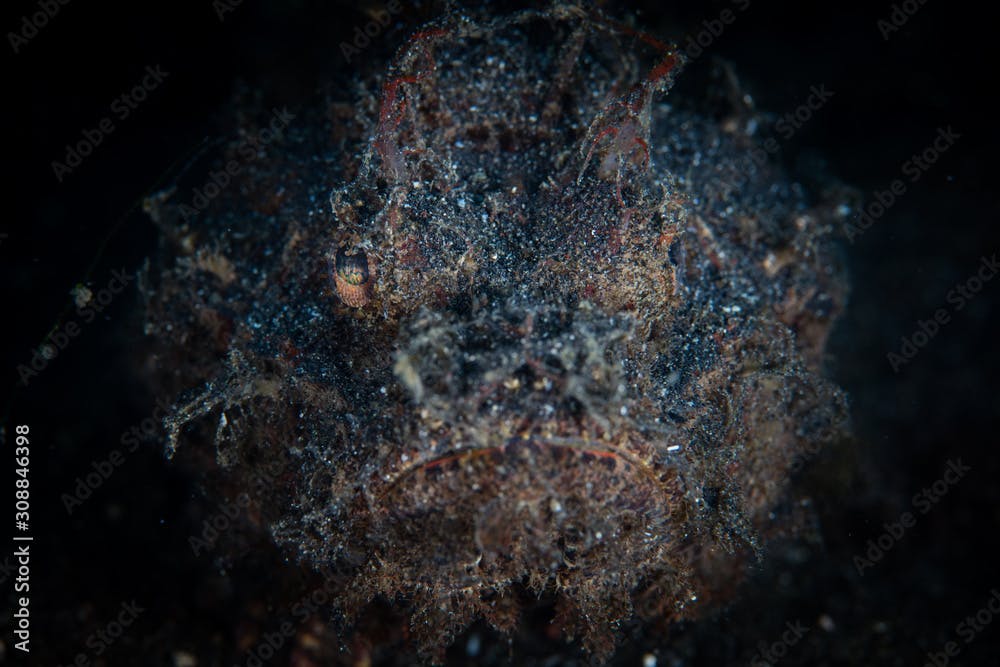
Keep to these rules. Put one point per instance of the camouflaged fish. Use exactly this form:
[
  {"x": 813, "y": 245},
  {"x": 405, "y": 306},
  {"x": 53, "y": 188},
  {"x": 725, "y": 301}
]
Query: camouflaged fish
[{"x": 516, "y": 324}]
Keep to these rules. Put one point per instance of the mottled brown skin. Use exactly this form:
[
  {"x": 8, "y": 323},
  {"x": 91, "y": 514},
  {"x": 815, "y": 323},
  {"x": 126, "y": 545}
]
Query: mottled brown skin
[{"x": 587, "y": 355}]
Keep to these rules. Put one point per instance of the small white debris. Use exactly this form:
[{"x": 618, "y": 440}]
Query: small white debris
[
  {"x": 472, "y": 646},
  {"x": 81, "y": 296},
  {"x": 184, "y": 659},
  {"x": 649, "y": 660}
]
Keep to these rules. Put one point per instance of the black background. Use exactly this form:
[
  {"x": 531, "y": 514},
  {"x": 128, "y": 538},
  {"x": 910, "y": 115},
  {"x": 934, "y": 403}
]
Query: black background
[{"x": 130, "y": 540}]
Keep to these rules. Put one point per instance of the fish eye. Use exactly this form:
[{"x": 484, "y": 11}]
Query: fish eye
[{"x": 353, "y": 276}]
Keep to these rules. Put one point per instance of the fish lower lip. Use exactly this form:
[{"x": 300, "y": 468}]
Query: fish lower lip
[
  {"x": 591, "y": 472},
  {"x": 560, "y": 450},
  {"x": 483, "y": 519}
]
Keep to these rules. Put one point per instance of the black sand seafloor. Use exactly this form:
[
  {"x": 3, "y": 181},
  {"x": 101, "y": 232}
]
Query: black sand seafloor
[{"x": 546, "y": 334}]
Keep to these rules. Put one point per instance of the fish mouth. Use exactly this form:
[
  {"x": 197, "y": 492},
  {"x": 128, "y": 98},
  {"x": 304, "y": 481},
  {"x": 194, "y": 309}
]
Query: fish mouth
[
  {"x": 530, "y": 456},
  {"x": 517, "y": 450},
  {"x": 552, "y": 508}
]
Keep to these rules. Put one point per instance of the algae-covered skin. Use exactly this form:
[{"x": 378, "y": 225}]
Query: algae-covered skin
[{"x": 513, "y": 326}]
